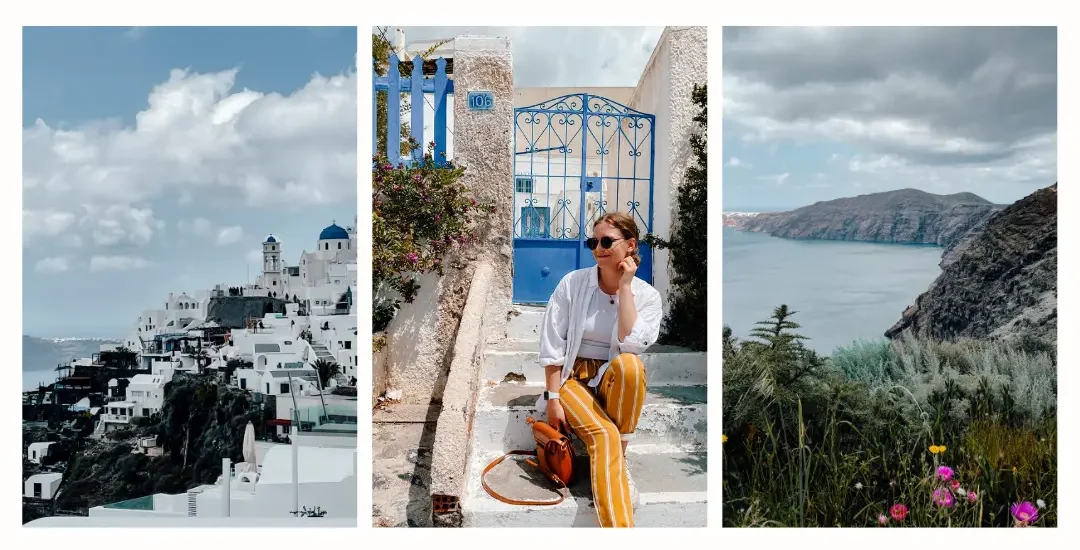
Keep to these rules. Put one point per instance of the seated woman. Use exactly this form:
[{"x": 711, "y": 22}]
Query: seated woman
[{"x": 597, "y": 322}]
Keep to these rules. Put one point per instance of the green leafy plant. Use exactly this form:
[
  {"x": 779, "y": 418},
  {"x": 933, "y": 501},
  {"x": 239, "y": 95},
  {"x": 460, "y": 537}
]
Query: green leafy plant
[
  {"x": 685, "y": 325},
  {"x": 420, "y": 213},
  {"x": 906, "y": 433}
]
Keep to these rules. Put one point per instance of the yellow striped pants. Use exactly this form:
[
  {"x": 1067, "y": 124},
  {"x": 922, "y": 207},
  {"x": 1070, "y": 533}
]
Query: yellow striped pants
[{"x": 600, "y": 419}]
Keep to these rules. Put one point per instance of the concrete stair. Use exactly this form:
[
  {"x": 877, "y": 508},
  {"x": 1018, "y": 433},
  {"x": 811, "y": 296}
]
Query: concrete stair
[{"x": 667, "y": 460}]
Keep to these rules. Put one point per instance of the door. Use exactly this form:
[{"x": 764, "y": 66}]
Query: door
[{"x": 576, "y": 158}]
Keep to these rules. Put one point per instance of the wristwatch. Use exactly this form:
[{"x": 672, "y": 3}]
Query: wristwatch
[{"x": 549, "y": 395}]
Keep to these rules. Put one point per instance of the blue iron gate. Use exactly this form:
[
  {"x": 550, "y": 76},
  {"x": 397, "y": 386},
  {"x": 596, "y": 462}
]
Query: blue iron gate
[{"x": 576, "y": 157}]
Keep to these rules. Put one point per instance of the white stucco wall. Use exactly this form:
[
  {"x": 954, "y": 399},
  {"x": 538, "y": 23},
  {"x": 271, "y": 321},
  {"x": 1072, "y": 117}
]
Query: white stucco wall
[{"x": 678, "y": 62}]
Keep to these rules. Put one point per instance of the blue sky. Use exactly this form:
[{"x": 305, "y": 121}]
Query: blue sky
[
  {"x": 156, "y": 160},
  {"x": 814, "y": 114}
]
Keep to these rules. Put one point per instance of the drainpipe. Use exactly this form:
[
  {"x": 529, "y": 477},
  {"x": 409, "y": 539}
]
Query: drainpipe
[
  {"x": 294, "y": 431},
  {"x": 226, "y": 487},
  {"x": 295, "y": 471}
]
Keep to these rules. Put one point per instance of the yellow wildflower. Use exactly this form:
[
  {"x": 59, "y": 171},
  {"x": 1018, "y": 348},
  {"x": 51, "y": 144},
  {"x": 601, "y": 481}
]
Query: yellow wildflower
[
  {"x": 723, "y": 438},
  {"x": 937, "y": 449}
]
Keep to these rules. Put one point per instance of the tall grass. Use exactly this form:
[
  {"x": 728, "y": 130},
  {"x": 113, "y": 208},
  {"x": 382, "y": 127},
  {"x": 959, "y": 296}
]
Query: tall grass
[{"x": 838, "y": 442}]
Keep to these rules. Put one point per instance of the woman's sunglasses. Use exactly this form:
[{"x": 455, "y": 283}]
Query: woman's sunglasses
[{"x": 606, "y": 242}]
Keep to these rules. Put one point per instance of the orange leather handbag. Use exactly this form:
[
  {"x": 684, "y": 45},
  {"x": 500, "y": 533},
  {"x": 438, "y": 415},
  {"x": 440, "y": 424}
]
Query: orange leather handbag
[{"x": 554, "y": 456}]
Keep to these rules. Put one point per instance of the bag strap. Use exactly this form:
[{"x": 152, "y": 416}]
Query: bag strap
[{"x": 497, "y": 496}]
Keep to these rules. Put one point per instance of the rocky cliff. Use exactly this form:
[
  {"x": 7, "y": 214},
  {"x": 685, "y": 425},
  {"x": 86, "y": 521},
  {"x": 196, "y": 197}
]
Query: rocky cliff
[
  {"x": 233, "y": 311},
  {"x": 1000, "y": 282},
  {"x": 903, "y": 216}
]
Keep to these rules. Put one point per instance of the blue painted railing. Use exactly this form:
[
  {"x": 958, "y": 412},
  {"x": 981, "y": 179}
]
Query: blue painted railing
[{"x": 416, "y": 85}]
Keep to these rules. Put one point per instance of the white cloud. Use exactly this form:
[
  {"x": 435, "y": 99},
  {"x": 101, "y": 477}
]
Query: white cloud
[
  {"x": 777, "y": 179},
  {"x": 117, "y": 263},
  {"x": 230, "y": 235},
  {"x": 45, "y": 223},
  {"x": 202, "y": 227},
  {"x": 197, "y": 133},
  {"x": 255, "y": 256},
  {"x": 972, "y": 108},
  {"x": 586, "y": 56},
  {"x": 117, "y": 224},
  {"x": 57, "y": 264},
  {"x": 734, "y": 162}
]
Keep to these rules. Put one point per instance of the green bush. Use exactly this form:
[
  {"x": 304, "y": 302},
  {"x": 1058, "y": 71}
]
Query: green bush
[
  {"x": 685, "y": 325},
  {"x": 420, "y": 213},
  {"x": 838, "y": 442}
]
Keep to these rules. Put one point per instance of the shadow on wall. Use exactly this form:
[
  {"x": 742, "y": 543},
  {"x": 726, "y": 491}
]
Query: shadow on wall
[{"x": 404, "y": 331}]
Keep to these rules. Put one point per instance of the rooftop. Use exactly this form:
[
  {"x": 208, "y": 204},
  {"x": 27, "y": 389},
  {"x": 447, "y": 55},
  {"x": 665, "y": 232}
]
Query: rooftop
[
  {"x": 316, "y": 465},
  {"x": 333, "y": 232}
]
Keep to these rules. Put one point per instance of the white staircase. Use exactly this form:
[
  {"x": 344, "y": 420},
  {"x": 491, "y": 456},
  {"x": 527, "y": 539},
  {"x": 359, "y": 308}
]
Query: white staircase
[
  {"x": 322, "y": 353},
  {"x": 667, "y": 458}
]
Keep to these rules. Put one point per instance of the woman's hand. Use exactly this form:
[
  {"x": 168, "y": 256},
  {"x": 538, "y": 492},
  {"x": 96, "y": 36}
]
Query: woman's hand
[
  {"x": 556, "y": 416},
  {"x": 627, "y": 270}
]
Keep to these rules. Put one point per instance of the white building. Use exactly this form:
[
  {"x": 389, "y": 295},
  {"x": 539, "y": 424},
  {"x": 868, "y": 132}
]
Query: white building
[
  {"x": 37, "y": 451},
  {"x": 42, "y": 486}
]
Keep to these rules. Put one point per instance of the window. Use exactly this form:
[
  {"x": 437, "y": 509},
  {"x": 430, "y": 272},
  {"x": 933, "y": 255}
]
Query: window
[
  {"x": 326, "y": 246},
  {"x": 146, "y": 412},
  {"x": 535, "y": 221},
  {"x": 285, "y": 388},
  {"x": 267, "y": 388},
  {"x": 37, "y": 490},
  {"x": 523, "y": 185},
  {"x": 274, "y": 283},
  {"x": 243, "y": 383},
  {"x": 348, "y": 344}
]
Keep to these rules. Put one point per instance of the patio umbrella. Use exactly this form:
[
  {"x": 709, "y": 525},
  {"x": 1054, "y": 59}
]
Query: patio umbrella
[{"x": 249, "y": 447}]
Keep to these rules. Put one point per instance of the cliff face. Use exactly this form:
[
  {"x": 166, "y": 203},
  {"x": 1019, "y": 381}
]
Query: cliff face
[
  {"x": 904, "y": 216},
  {"x": 1000, "y": 282},
  {"x": 231, "y": 311}
]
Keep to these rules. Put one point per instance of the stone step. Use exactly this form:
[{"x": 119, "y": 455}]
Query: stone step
[
  {"x": 669, "y": 491},
  {"x": 525, "y": 325},
  {"x": 673, "y": 418},
  {"x": 668, "y": 365}
]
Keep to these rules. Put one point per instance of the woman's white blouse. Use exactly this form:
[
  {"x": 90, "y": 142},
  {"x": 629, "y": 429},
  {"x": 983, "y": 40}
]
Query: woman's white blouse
[{"x": 563, "y": 324}]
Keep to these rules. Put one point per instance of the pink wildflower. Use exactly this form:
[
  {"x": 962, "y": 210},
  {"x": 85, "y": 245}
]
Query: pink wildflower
[
  {"x": 954, "y": 484},
  {"x": 898, "y": 512},
  {"x": 943, "y": 498},
  {"x": 944, "y": 473},
  {"x": 413, "y": 257},
  {"x": 972, "y": 496},
  {"x": 1025, "y": 513},
  {"x": 882, "y": 520}
]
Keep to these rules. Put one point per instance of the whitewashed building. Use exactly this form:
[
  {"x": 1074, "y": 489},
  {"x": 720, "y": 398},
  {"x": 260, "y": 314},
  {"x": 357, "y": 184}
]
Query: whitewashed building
[{"x": 42, "y": 486}]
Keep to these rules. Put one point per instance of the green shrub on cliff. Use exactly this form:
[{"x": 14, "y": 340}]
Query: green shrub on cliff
[{"x": 845, "y": 440}]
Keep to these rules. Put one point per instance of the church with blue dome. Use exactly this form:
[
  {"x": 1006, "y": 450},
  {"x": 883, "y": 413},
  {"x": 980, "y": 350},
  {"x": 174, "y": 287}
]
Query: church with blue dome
[{"x": 321, "y": 275}]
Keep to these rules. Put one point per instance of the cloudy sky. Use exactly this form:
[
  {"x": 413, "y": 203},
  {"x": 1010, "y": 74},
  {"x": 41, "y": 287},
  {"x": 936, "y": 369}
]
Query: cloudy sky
[
  {"x": 156, "y": 160},
  {"x": 585, "y": 56},
  {"x": 819, "y": 113}
]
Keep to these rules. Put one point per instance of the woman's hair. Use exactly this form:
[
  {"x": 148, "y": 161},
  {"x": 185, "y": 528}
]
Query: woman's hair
[{"x": 626, "y": 224}]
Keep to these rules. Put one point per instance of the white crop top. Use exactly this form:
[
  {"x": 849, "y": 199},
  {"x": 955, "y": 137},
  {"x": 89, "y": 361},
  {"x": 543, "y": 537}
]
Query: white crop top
[{"x": 599, "y": 324}]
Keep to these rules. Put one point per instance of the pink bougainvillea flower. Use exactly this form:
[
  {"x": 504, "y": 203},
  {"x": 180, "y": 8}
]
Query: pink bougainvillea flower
[
  {"x": 944, "y": 473},
  {"x": 898, "y": 512},
  {"x": 1025, "y": 513},
  {"x": 972, "y": 497},
  {"x": 943, "y": 498},
  {"x": 954, "y": 485},
  {"x": 882, "y": 520},
  {"x": 413, "y": 257}
]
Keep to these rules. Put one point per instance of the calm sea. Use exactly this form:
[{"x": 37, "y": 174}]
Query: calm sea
[{"x": 842, "y": 291}]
